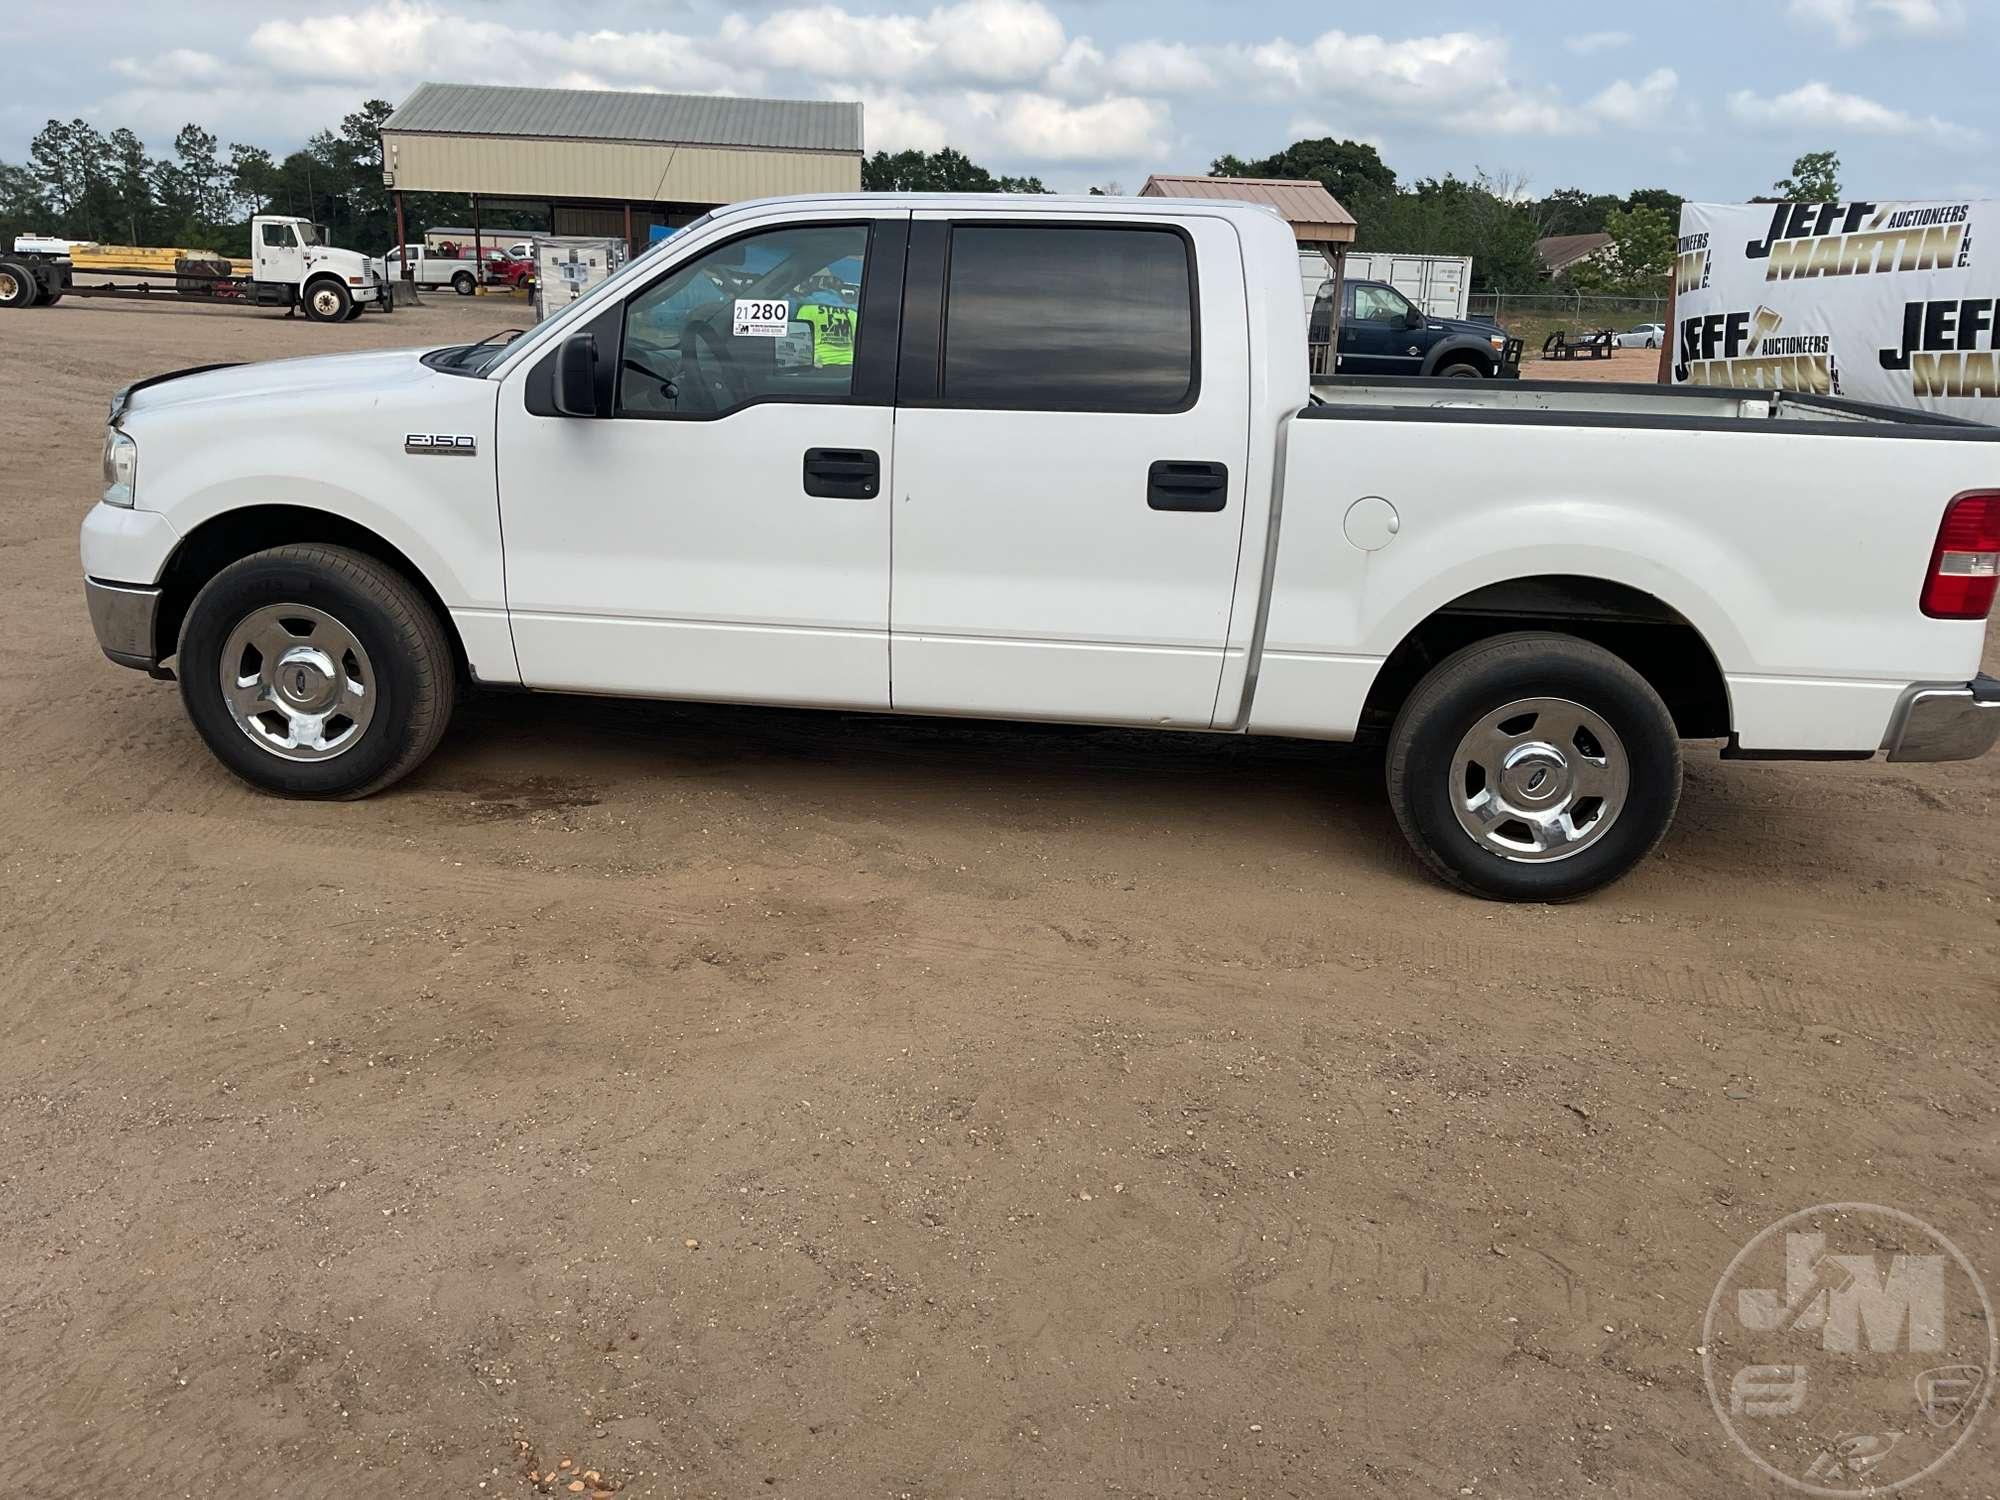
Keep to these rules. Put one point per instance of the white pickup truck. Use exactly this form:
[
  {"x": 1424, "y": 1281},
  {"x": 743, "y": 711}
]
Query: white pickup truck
[
  {"x": 1059, "y": 460},
  {"x": 428, "y": 267}
]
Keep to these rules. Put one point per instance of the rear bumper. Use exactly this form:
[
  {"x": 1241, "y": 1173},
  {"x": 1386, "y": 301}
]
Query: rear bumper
[
  {"x": 1948, "y": 721},
  {"x": 124, "y": 615}
]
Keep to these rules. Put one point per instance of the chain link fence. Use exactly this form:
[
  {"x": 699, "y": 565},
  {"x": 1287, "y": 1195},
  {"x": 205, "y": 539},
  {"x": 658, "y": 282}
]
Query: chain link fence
[{"x": 1532, "y": 316}]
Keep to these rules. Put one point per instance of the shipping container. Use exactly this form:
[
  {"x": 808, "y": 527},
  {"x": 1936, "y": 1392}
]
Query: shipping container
[{"x": 1439, "y": 284}]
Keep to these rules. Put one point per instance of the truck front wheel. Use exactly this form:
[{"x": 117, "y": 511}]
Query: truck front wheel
[
  {"x": 316, "y": 671},
  {"x": 327, "y": 301},
  {"x": 1533, "y": 767}
]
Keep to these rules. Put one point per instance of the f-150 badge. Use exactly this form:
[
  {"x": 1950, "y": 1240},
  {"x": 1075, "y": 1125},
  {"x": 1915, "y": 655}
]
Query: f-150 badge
[{"x": 439, "y": 442}]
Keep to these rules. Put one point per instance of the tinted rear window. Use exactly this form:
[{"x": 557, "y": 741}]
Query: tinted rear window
[{"x": 1069, "y": 319}]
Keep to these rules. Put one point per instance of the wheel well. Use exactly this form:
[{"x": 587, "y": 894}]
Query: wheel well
[
  {"x": 233, "y": 535},
  {"x": 1652, "y": 637},
  {"x": 1473, "y": 357}
]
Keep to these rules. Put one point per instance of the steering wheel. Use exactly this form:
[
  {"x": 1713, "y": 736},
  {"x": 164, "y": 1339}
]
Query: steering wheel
[
  {"x": 669, "y": 388},
  {"x": 722, "y": 377}
]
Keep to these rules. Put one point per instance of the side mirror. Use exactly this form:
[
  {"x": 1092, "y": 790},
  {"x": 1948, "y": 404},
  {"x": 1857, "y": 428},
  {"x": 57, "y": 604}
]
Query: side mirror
[
  {"x": 1413, "y": 319},
  {"x": 576, "y": 376}
]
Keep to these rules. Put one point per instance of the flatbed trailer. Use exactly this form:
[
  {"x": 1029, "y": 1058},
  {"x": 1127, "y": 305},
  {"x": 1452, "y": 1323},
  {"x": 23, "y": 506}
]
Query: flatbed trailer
[{"x": 326, "y": 284}]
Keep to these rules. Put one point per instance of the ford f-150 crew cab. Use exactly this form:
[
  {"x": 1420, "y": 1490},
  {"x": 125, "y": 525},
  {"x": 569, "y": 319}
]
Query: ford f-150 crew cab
[{"x": 1059, "y": 460}]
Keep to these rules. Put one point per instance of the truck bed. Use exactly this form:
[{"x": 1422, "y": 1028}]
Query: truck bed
[{"x": 1560, "y": 403}]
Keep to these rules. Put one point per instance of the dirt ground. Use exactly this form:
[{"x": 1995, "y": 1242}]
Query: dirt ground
[
  {"x": 1641, "y": 365},
  {"x": 741, "y": 1102}
]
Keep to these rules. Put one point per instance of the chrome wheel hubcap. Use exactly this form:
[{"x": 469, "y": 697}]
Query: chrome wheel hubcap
[
  {"x": 1539, "y": 779},
  {"x": 9, "y": 287},
  {"x": 326, "y": 303},
  {"x": 298, "y": 682}
]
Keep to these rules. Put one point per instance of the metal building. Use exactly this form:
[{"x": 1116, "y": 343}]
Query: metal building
[{"x": 611, "y": 164}]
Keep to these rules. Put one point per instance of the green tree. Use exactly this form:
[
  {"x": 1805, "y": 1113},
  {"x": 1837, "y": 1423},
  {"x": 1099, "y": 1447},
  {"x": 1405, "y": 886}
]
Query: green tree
[
  {"x": 23, "y": 210},
  {"x": 1573, "y": 211},
  {"x": 1815, "y": 179},
  {"x": 1666, "y": 202},
  {"x": 1641, "y": 258},
  {"x": 134, "y": 213},
  {"x": 1481, "y": 218},
  {"x": 194, "y": 189},
  {"x": 1353, "y": 171},
  {"x": 71, "y": 167},
  {"x": 941, "y": 171}
]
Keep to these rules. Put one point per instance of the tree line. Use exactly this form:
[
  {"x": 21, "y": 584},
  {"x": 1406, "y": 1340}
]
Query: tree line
[
  {"x": 81, "y": 183},
  {"x": 85, "y": 184}
]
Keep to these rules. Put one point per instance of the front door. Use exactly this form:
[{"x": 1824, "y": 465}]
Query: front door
[
  {"x": 279, "y": 256},
  {"x": 1375, "y": 336},
  {"x": 1070, "y": 446},
  {"x": 724, "y": 534}
]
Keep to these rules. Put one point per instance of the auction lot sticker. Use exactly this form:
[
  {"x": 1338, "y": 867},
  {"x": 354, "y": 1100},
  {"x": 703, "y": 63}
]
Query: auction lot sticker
[
  {"x": 760, "y": 318},
  {"x": 1849, "y": 1349}
]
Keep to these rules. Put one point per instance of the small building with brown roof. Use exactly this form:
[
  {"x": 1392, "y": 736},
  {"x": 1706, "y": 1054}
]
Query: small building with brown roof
[
  {"x": 1560, "y": 252},
  {"x": 1323, "y": 228}
]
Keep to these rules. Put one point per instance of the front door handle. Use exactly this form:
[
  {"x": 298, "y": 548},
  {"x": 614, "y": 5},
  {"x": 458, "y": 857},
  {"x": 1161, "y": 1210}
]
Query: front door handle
[
  {"x": 1182, "y": 484},
  {"x": 843, "y": 473}
]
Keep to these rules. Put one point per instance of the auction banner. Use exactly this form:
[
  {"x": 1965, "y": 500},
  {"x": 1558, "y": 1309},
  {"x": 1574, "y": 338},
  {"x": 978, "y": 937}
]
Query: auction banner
[{"x": 1893, "y": 303}]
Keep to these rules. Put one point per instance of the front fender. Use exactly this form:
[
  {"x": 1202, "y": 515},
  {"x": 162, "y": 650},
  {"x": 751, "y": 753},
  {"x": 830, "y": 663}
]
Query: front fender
[{"x": 1458, "y": 343}]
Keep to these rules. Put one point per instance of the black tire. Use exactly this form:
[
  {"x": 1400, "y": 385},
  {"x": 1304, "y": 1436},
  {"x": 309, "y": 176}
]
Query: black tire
[
  {"x": 1652, "y": 343},
  {"x": 326, "y": 300},
  {"x": 463, "y": 284},
  {"x": 19, "y": 286},
  {"x": 1462, "y": 369},
  {"x": 406, "y": 653},
  {"x": 1480, "y": 681},
  {"x": 354, "y": 313}
]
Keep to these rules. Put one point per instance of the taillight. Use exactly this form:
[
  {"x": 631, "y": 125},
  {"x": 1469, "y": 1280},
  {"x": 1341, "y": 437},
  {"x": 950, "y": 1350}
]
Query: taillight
[{"x": 1965, "y": 563}]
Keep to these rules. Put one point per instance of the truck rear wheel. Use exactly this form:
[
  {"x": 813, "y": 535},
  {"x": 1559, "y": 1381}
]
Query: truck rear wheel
[
  {"x": 327, "y": 301},
  {"x": 1533, "y": 767},
  {"x": 463, "y": 284},
  {"x": 316, "y": 671},
  {"x": 18, "y": 286}
]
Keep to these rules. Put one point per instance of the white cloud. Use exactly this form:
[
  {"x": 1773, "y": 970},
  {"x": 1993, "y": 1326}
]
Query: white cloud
[
  {"x": 1636, "y": 106},
  {"x": 993, "y": 41},
  {"x": 1407, "y": 73},
  {"x": 1852, "y": 22},
  {"x": 1817, "y": 106},
  {"x": 1044, "y": 128},
  {"x": 1591, "y": 42}
]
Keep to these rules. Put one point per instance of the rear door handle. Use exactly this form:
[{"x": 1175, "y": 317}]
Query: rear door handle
[
  {"x": 1184, "y": 484},
  {"x": 843, "y": 473}
]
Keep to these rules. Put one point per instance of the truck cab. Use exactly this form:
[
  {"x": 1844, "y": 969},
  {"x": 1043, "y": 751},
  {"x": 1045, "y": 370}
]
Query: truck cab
[
  {"x": 292, "y": 262},
  {"x": 1382, "y": 332}
]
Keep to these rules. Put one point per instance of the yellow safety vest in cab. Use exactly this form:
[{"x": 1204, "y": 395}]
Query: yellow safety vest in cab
[{"x": 832, "y": 333}]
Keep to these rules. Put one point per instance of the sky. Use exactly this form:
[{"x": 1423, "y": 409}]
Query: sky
[{"x": 1711, "y": 100}]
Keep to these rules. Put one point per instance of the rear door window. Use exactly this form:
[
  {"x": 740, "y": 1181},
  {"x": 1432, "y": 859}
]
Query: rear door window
[{"x": 1061, "y": 318}]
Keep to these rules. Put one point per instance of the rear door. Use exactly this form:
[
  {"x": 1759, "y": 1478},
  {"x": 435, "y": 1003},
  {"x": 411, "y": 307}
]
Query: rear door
[{"x": 1071, "y": 435}]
